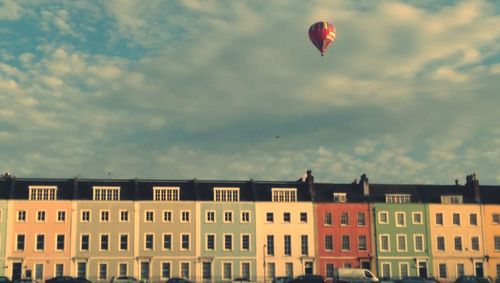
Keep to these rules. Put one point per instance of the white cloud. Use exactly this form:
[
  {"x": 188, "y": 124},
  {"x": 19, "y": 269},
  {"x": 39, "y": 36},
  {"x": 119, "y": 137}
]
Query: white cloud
[{"x": 10, "y": 10}]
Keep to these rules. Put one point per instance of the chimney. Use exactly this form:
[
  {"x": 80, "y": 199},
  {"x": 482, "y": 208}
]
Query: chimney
[
  {"x": 310, "y": 183},
  {"x": 363, "y": 180},
  {"x": 473, "y": 184}
]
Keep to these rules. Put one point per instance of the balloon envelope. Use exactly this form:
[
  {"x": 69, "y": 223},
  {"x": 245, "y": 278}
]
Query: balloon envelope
[{"x": 321, "y": 35}]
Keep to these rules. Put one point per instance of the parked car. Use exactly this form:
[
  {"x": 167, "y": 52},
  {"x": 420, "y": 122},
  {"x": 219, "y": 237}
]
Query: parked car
[
  {"x": 4, "y": 279},
  {"x": 82, "y": 280},
  {"x": 178, "y": 280},
  {"x": 387, "y": 280},
  {"x": 61, "y": 279},
  {"x": 308, "y": 279},
  {"x": 415, "y": 279},
  {"x": 241, "y": 279},
  {"x": 472, "y": 279},
  {"x": 124, "y": 279},
  {"x": 354, "y": 275},
  {"x": 282, "y": 279},
  {"x": 25, "y": 280}
]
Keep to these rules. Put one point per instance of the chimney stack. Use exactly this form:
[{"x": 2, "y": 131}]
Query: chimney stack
[
  {"x": 310, "y": 183},
  {"x": 363, "y": 180},
  {"x": 473, "y": 184}
]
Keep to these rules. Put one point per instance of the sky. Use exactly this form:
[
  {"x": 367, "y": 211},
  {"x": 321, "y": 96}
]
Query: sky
[{"x": 409, "y": 92}]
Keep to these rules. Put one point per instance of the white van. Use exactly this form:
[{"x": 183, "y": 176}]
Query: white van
[{"x": 354, "y": 275}]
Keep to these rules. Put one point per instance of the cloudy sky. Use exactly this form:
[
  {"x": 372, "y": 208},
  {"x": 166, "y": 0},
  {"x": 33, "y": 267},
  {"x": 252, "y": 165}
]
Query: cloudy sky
[{"x": 408, "y": 93}]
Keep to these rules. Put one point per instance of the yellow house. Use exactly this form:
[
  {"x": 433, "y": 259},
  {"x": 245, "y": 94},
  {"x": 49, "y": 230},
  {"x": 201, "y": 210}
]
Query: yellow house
[{"x": 491, "y": 214}]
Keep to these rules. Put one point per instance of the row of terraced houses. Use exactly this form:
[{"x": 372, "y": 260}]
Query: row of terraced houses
[{"x": 221, "y": 230}]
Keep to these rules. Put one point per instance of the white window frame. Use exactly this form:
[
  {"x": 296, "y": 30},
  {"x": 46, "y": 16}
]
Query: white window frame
[
  {"x": 398, "y": 213},
  {"x": 459, "y": 219},
  {"x": 101, "y": 215},
  {"x": 39, "y": 213},
  {"x": 415, "y": 236},
  {"x": 398, "y": 248},
  {"x": 324, "y": 244},
  {"x": 36, "y": 242},
  {"x": 99, "y": 270},
  {"x": 249, "y": 242},
  {"x": 42, "y": 192},
  {"x": 398, "y": 198},
  {"x": 228, "y": 212},
  {"x": 242, "y": 216},
  {"x": 437, "y": 243},
  {"x": 388, "y": 263},
  {"x": 495, "y": 218},
  {"x": 148, "y": 213},
  {"x": 17, "y": 242},
  {"x": 161, "y": 269},
  {"x": 145, "y": 248},
  {"x": 330, "y": 217},
  {"x": 413, "y": 214},
  {"x": 284, "y": 194},
  {"x": 121, "y": 211},
  {"x": 58, "y": 214},
  {"x": 167, "y": 212},
  {"x": 226, "y": 194},
  {"x": 55, "y": 268},
  {"x": 340, "y": 197},
  {"x": 120, "y": 242},
  {"x": 100, "y": 241},
  {"x": 64, "y": 244},
  {"x": 224, "y": 242},
  {"x": 180, "y": 242},
  {"x": 118, "y": 268},
  {"x": 388, "y": 243},
  {"x": 249, "y": 269},
  {"x": 185, "y": 212},
  {"x": 81, "y": 242},
  {"x": 166, "y": 194},
  {"x": 106, "y": 193},
  {"x": 163, "y": 242},
  {"x": 404, "y": 263},
  {"x": 379, "y": 214},
  {"x": 214, "y": 216},
  {"x": 206, "y": 242},
  {"x": 452, "y": 199},
  {"x": 223, "y": 273},
  {"x": 188, "y": 269},
  {"x": 82, "y": 212},
  {"x": 20, "y": 213}
]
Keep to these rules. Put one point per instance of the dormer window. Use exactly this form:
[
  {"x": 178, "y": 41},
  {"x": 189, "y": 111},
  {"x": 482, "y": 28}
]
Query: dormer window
[
  {"x": 227, "y": 194},
  {"x": 340, "y": 197},
  {"x": 106, "y": 193},
  {"x": 284, "y": 194},
  {"x": 166, "y": 193},
  {"x": 452, "y": 199},
  {"x": 397, "y": 198},
  {"x": 42, "y": 192}
]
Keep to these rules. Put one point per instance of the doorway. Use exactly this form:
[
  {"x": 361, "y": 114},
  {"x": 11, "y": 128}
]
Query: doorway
[
  {"x": 478, "y": 267},
  {"x": 16, "y": 270},
  {"x": 308, "y": 270},
  {"x": 422, "y": 269}
]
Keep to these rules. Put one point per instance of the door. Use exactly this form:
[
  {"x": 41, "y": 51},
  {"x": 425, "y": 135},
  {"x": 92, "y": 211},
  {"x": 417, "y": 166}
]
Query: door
[
  {"x": 365, "y": 264},
  {"x": 479, "y": 269},
  {"x": 207, "y": 271},
  {"x": 16, "y": 270},
  {"x": 81, "y": 269},
  {"x": 145, "y": 270},
  {"x": 308, "y": 270},
  {"x": 422, "y": 269}
]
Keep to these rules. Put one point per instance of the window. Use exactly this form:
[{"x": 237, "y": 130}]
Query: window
[
  {"x": 106, "y": 193},
  {"x": 327, "y": 218},
  {"x": 185, "y": 242},
  {"x": 104, "y": 244},
  {"x": 167, "y": 216},
  {"x": 400, "y": 219},
  {"x": 61, "y": 216},
  {"x": 456, "y": 219},
  {"x": 210, "y": 242},
  {"x": 439, "y": 218},
  {"x": 328, "y": 243},
  {"x": 60, "y": 242},
  {"x": 271, "y": 270},
  {"x": 397, "y": 198},
  {"x": 404, "y": 268},
  {"x": 81, "y": 269},
  {"x": 440, "y": 243},
  {"x": 165, "y": 270},
  {"x": 442, "y": 270},
  {"x": 270, "y": 245},
  {"x": 59, "y": 269},
  {"x": 496, "y": 218},
  {"x": 39, "y": 271},
  {"x": 123, "y": 242},
  {"x": 40, "y": 216},
  {"x": 401, "y": 243},
  {"x": 386, "y": 269},
  {"x": 228, "y": 216},
  {"x": 210, "y": 216},
  {"x": 304, "y": 245},
  {"x": 122, "y": 269},
  {"x": 40, "y": 242},
  {"x": 85, "y": 216},
  {"x": 303, "y": 217},
  {"x": 228, "y": 242},
  {"x": 20, "y": 241},
  {"x": 417, "y": 218},
  {"x": 498, "y": 270},
  {"x": 419, "y": 243},
  {"x": 104, "y": 215},
  {"x": 289, "y": 269},
  {"x": 227, "y": 271},
  {"x": 269, "y": 217},
  {"x": 344, "y": 219},
  {"x": 329, "y": 270},
  {"x": 21, "y": 216},
  {"x": 148, "y": 242},
  {"x": 245, "y": 270},
  {"x": 245, "y": 217},
  {"x": 475, "y": 243},
  {"x": 361, "y": 219},
  {"x": 103, "y": 271},
  {"x": 42, "y": 192},
  {"x": 123, "y": 216},
  {"x": 460, "y": 269},
  {"x": 362, "y": 243},
  {"x": 286, "y": 217},
  {"x": 227, "y": 194},
  {"x": 185, "y": 270},
  {"x": 149, "y": 216},
  {"x": 245, "y": 242},
  {"x": 340, "y": 197},
  {"x": 496, "y": 241},
  {"x": 458, "y": 243},
  {"x": 473, "y": 219},
  {"x": 284, "y": 194},
  {"x": 346, "y": 243},
  {"x": 185, "y": 216},
  {"x": 167, "y": 241},
  {"x": 452, "y": 199},
  {"x": 84, "y": 242},
  {"x": 384, "y": 243},
  {"x": 383, "y": 217},
  {"x": 288, "y": 244},
  {"x": 166, "y": 193}
]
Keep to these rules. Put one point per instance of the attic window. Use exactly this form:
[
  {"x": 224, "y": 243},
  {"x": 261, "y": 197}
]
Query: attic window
[
  {"x": 340, "y": 197},
  {"x": 227, "y": 194},
  {"x": 106, "y": 193},
  {"x": 42, "y": 192},
  {"x": 166, "y": 193},
  {"x": 284, "y": 194},
  {"x": 452, "y": 199},
  {"x": 397, "y": 198}
]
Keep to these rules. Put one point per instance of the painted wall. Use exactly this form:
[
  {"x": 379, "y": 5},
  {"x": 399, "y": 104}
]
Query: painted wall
[
  {"x": 4, "y": 216},
  {"x": 491, "y": 230}
]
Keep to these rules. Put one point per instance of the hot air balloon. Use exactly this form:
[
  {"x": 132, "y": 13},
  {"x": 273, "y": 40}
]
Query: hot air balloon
[{"x": 321, "y": 35}]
